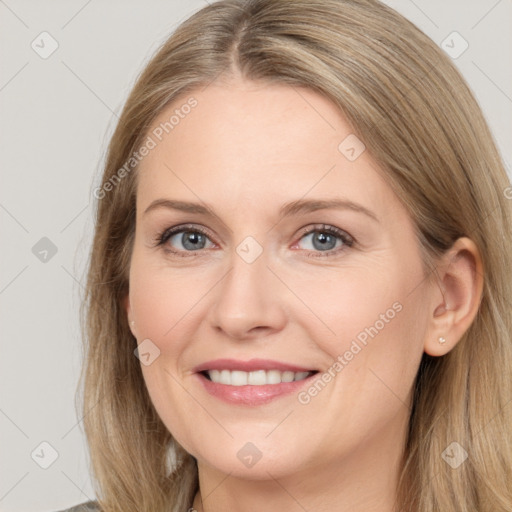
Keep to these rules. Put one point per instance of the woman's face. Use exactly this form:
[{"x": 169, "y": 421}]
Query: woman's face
[{"x": 274, "y": 286}]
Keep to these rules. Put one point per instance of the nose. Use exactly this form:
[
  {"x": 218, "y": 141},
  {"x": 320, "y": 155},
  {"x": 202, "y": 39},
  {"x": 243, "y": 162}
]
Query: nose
[{"x": 249, "y": 302}]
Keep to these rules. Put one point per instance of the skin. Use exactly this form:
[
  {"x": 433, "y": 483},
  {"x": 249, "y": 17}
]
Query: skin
[{"x": 245, "y": 150}]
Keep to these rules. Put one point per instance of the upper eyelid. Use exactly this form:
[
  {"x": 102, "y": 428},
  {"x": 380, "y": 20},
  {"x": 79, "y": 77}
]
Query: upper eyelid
[
  {"x": 186, "y": 227},
  {"x": 307, "y": 230}
]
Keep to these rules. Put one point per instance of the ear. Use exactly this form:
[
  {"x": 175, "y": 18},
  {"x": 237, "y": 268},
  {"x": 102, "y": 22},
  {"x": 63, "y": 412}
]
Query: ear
[
  {"x": 128, "y": 308},
  {"x": 457, "y": 293}
]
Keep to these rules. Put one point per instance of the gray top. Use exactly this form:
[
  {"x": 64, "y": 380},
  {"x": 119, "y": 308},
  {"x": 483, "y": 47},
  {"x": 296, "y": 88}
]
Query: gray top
[{"x": 89, "y": 506}]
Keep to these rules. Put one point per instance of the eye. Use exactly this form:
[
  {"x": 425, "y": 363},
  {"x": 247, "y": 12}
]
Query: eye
[
  {"x": 184, "y": 239},
  {"x": 326, "y": 239},
  {"x": 180, "y": 240}
]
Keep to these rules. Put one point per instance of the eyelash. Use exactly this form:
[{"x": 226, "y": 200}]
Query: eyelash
[{"x": 348, "y": 241}]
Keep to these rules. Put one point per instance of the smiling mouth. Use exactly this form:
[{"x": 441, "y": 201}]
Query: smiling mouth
[{"x": 254, "y": 378}]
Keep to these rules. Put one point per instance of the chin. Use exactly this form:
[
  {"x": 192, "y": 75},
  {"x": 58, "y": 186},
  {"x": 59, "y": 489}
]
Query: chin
[{"x": 250, "y": 462}]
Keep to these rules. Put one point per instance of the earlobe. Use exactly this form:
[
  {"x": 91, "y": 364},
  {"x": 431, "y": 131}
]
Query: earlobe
[
  {"x": 128, "y": 309},
  {"x": 457, "y": 297}
]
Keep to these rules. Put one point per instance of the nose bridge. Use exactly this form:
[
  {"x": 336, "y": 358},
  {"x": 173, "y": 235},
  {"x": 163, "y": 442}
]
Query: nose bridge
[
  {"x": 248, "y": 296},
  {"x": 248, "y": 283}
]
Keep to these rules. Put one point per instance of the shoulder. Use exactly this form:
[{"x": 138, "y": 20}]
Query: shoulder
[{"x": 89, "y": 506}]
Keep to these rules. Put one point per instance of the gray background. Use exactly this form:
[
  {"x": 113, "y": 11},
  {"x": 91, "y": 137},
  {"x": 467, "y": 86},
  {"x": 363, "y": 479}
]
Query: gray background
[{"x": 56, "y": 117}]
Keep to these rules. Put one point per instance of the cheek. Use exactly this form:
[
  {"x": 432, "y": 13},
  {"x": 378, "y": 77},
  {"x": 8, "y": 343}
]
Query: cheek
[
  {"x": 371, "y": 320},
  {"x": 375, "y": 353},
  {"x": 163, "y": 300},
  {"x": 349, "y": 303},
  {"x": 164, "y": 304}
]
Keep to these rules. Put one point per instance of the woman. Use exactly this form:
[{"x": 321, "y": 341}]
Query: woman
[{"x": 299, "y": 290}]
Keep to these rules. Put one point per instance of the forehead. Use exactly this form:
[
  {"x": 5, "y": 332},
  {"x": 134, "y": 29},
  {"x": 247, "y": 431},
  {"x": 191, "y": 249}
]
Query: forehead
[{"x": 246, "y": 145}]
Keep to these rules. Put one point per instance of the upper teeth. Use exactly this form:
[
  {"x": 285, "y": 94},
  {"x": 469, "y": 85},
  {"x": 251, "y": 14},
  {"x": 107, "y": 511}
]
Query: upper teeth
[{"x": 256, "y": 378}]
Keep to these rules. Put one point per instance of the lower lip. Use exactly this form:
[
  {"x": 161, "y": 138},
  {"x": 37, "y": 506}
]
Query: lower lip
[{"x": 252, "y": 395}]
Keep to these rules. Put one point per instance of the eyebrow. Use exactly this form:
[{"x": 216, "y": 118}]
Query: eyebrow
[{"x": 300, "y": 206}]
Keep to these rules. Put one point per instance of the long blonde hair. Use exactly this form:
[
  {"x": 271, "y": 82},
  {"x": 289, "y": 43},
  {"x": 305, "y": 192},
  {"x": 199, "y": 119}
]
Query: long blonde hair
[{"x": 405, "y": 99}]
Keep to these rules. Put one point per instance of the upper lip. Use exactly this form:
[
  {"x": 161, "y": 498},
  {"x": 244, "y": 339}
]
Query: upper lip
[{"x": 250, "y": 365}]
